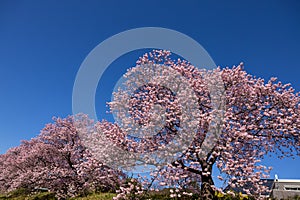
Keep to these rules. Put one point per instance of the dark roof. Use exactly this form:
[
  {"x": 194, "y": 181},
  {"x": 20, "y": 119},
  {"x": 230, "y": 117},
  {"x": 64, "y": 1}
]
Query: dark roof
[{"x": 266, "y": 182}]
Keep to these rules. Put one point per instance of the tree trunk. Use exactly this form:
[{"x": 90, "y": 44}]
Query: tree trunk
[{"x": 207, "y": 193}]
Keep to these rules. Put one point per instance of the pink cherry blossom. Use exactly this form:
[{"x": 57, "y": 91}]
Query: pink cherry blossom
[{"x": 258, "y": 118}]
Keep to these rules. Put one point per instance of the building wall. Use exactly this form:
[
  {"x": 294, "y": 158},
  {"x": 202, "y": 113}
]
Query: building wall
[{"x": 285, "y": 189}]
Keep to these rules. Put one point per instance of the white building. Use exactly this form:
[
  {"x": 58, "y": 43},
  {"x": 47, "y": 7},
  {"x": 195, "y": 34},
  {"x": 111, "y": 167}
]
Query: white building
[
  {"x": 279, "y": 188},
  {"x": 284, "y": 188}
]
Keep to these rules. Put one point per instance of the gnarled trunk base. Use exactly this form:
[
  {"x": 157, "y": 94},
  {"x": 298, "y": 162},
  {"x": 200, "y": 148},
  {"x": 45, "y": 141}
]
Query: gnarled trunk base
[{"x": 207, "y": 193}]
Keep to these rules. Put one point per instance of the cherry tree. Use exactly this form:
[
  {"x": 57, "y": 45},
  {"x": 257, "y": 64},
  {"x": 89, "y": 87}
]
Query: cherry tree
[
  {"x": 174, "y": 118},
  {"x": 238, "y": 119},
  {"x": 57, "y": 160}
]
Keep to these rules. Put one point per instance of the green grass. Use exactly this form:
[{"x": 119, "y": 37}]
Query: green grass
[
  {"x": 23, "y": 195},
  {"x": 39, "y": 196},
  {"x": 101, "y": 196}
]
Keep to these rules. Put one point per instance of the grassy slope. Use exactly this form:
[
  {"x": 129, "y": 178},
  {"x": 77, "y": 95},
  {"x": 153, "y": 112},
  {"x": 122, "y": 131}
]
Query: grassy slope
[
  {"x": 49, "y": 196},
  {"x": 102, "y": 196}
]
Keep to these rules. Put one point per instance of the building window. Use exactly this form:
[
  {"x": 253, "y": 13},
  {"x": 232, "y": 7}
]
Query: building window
[{"x": 292, "y": 188}]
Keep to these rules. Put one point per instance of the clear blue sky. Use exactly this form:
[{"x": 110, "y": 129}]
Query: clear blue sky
[{"x": 43, "y": 43}]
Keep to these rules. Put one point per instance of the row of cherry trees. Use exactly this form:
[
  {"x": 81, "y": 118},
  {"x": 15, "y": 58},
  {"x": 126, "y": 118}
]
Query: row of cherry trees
[
  {"x": 57, "y": 160},
  {"x": 238, "y": 119}
]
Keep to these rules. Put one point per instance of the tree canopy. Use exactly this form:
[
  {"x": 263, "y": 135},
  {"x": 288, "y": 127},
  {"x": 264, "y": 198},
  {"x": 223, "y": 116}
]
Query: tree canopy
[{"x": 174, "y": 117}]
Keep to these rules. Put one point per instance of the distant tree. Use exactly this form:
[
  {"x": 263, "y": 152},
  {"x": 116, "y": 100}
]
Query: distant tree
[
  {"x": 257, "y": 118},
  {"x": 57, "y": 160}
]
